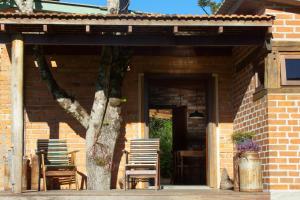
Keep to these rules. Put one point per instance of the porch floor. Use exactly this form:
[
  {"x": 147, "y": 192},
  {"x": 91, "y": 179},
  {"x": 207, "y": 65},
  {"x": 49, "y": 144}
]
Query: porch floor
[{"x": 165, "y": 194}]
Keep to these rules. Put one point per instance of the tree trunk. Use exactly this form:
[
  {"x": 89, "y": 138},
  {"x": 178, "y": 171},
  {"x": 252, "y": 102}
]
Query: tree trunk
[
  {"x": 25, "y": 6},
  {"x": 100, "y": 157},
  {"x": 101, "y": 137},
  {"x": 117, "y": 6}
]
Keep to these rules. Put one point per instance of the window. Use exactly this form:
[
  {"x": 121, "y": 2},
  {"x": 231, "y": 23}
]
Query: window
[{"x": 290, "y": 70}]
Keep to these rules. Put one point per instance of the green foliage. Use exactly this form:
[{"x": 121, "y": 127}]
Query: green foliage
[
  {"x": 162, "y": 128},
  {"x": 240, "y": 137},
  {"x": 213, "y": 5}
]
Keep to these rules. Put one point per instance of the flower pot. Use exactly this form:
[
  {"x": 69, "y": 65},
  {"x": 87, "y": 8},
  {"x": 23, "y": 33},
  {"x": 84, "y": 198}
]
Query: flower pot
[{"x": 250, "y": 172}]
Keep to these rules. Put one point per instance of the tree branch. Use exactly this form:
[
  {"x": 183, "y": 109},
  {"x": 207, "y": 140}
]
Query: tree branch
[
  {"x": 25, "y": 6},
  {"x": 67, "y": 102}
]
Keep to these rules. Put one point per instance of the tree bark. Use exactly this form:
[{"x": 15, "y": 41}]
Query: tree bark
[
  {"x": 99, "y": 165},
  {"x": 25, "y": 6},
  {"x": 117, "y": 6},
  {"x": 101, "y": 138},
  {"x": 97, "y": 155}
]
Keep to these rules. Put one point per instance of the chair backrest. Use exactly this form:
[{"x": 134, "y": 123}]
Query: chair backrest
[
  {"x": 55, "y": 151},
  {"x": 144, "y": 151}
]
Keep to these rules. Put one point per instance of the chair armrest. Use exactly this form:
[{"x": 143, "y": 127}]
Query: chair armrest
[
  {"x": 125, "y": 151},
  {"x": 72, "y": 152},
  {"x": 40, "y": 152},
  {"x": 73, "y": 156},
  {"x": 126, "y": 154}
]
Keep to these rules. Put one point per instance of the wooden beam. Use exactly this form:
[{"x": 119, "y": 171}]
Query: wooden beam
[
  {"x": 2, "y": 27},
  {"x": 45, "y": 28},
  {"x": 129, "y": 29},
  {"x": 87, "y": 28},
  {"x": 140, "y": 40},
  {"x": 258, "y": 53},
  {"x": 272, "y": 71},
  {"x": 289, "y": 46},
  {"x": 17, "y": 127},
  {"x": 136, "y": 22},
  {"x": 175, "y": 29},
  {"x": 220, "y": 29}
]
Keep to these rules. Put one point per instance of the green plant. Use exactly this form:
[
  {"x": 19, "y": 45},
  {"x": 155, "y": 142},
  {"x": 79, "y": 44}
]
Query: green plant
[
  {"x": 212, "y": 4},
  {"x": 162, "y": 128},
  {"x": 240, "y": 137}
]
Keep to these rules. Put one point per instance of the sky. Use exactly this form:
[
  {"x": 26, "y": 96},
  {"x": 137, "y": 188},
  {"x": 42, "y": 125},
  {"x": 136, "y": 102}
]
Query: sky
[{"x": 154, "y": 6}]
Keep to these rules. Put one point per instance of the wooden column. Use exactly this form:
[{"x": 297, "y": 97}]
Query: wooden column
[
  {"x": 272, "y": 71},
  {"x": 17, "y": 128},
  {"x": 212, "y": 134}
]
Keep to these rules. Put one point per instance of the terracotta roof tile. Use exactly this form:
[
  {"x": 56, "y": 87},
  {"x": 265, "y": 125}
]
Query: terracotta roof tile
[{"x": 4, "y": 15}]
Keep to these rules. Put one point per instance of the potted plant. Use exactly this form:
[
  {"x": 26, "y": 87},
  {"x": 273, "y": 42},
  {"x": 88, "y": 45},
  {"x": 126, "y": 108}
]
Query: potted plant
[{"x": 248, "y": 164}]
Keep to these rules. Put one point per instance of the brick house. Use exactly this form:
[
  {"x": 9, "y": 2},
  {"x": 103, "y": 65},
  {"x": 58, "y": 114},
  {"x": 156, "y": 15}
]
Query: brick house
[{"x": 233, "y": 68}]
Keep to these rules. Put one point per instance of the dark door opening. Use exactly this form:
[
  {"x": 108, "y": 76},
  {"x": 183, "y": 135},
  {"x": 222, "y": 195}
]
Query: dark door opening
[{"x": 183, "y": 139}]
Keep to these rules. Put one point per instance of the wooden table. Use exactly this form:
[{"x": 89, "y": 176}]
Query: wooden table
[{"x": 179, "y": 161}]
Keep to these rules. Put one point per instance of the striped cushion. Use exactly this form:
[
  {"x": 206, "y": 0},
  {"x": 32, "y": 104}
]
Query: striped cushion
[
  {"x": 55, "y": 151},
  {"x": 143, "y": 151}
]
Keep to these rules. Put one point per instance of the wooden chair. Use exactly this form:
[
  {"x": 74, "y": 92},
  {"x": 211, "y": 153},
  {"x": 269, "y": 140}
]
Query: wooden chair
[
  {"x": 56, "y": 162},
  {"x": 142, "y": 161}
]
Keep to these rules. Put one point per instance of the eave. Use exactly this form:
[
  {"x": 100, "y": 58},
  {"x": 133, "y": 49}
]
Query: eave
[{"x": 136, "y": 29}]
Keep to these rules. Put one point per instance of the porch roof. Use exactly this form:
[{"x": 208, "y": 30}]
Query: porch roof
[
  {"x": 135, "y": 29},
  {"x": 135, "y": 19}
]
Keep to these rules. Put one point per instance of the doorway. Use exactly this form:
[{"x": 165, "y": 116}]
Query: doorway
[{"x": 171, "y": 100}]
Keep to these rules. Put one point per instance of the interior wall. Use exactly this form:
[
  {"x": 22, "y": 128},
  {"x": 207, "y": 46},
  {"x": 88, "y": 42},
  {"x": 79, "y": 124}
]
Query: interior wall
[{"x": 182, "y": 93}]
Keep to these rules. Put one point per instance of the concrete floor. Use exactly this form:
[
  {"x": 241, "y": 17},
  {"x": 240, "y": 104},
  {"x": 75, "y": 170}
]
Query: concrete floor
[{"x": 166, "y": 194}]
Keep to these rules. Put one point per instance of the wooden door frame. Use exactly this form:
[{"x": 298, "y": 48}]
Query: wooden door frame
[{"x": 212, "y": 146}]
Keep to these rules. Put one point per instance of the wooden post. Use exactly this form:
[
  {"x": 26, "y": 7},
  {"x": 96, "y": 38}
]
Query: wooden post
[
  {"x": 6, "y": 178},
  {"x": 35, "y": 172},
  {"x": 17, "y": 127},
  {"x": 25, "y": 174},
  {"x": 213, "y": 166},
  {"x": 272, "y": 72}
]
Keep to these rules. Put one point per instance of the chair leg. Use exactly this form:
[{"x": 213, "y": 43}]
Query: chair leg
[
  {"x": 76, "y": 181},
  {"x": 44, "y": 181},
  {"x": 125, "y": 182},
  {"x": 156, "y": 182}
]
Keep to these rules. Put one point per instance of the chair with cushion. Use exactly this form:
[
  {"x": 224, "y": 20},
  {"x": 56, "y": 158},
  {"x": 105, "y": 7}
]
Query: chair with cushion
[
  {"x": 142, "y": 161},
  {"x": 56, "y": 162}
]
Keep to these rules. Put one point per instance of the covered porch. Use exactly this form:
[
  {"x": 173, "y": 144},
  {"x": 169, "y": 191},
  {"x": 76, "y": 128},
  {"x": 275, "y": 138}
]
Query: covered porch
[{"x": 167, "y": 46}]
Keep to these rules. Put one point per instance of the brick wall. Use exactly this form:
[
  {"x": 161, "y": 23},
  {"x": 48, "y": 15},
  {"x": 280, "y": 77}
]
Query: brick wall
[
  {"x": 283, "y": 114},
  {"x": 250, "y": 115},
  {"x": 284, "y": 142},
  {"x": 76, "y": 73},
  {"x": 5, "y": 111},
  {"x": 287, "y": 23}
]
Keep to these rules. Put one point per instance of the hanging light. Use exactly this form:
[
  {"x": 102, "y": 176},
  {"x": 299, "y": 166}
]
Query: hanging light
[{"x": 196, "y": 114}]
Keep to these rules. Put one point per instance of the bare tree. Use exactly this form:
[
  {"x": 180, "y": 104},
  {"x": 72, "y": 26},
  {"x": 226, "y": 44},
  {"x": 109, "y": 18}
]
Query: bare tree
[
  {"x": 25, "y": 6},
  {"x": 104, "y": 122},
  {"x": 117, "y": 6}
]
